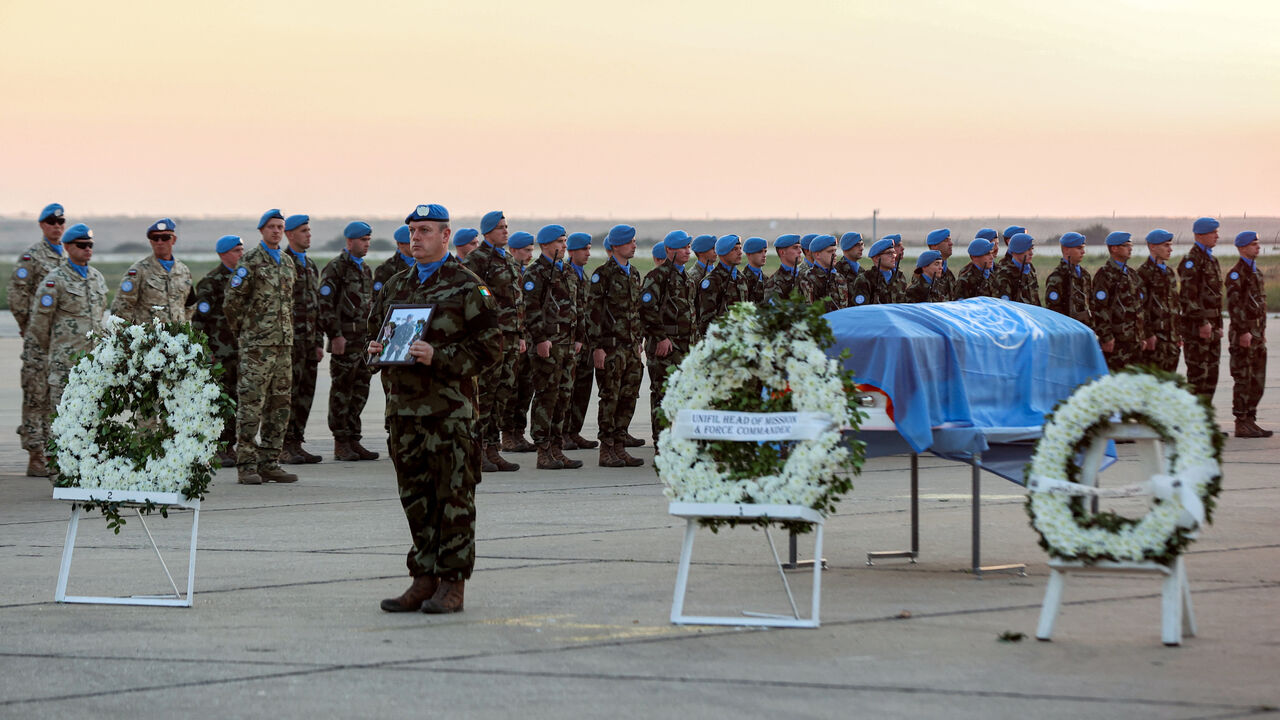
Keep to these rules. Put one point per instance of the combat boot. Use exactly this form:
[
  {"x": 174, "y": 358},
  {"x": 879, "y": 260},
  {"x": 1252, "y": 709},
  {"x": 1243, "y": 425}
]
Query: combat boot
[
  {"x": 581, "y": 442},
  {"x": 423, "y": 587},
  {"x": 228, "y": 457},
  {"x": 248, "y": 475},
  {"x": 342, "y": 450},
  {"x": 568, "y": 462},
  {"x": 629, "y": 440},
  {"x": 364, "y": 452},
  {"x": 291, "y": 453},
  {"x": 546, "y": 460},
  {"x": 514, "y": 441},
  {"x": 446, "y": 599},
  {"x": 274, "y": 473},
  {"x": 307, "y": 457},
  {"x": 567, "y": 443},
  {"x": 620, "y": 452},
  {"x": 499, "y": 463},
  {"x": 1244, "y": 430},
  {"x": 608, "y": 458},
  {"x": 486, "y": 465},
  {"x": 1265, "y": 433},
  {"x": 36, "y": 466}
]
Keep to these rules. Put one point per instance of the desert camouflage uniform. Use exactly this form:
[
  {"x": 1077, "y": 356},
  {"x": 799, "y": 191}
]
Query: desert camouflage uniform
[
  {"x": 1247, "y": 308},
  {"x": 1200, "y": 295},
  {"x": 431, "y": 411},
  {"x": 37, "y": 262},
  {"x": 817, "y": 283},
  {"x": 1160, "y": 314},
  {"x": 66, "y": 308},
  {"x": 1116, "y": 306},
  {"x": 922, "y": 290},
  {"x": 147, "y": 291},
  {"x": 346, "y": 294},
  {"x": 973, "y": 281},
  {"x": 716, "y": 293},
  {"x": 501, "y": 273},
  {"x": 307, "y": 336},
  {"x": 666, "y": 312},
  {"x": 1067, "y": 291},
  {"x": 549, "y": 316},
  {"x": 210, "y": 318},
  {"x": 1009, "y": 282},
  {"x": 871, "y": 288},
  {"x": 613, "y": 299},
  {"x": 780, "y": 284}
]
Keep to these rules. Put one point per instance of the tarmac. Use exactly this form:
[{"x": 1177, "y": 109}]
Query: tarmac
[{"x": 568, "y": 613}]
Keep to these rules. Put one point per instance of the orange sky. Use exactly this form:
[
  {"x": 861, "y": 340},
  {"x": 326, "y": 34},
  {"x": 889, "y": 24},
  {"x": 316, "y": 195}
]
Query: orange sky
[{"x": 643, "y": 110}]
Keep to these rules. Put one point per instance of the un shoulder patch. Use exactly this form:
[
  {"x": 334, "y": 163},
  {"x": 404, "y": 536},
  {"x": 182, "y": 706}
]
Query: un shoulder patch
[
  {"x": 1053, "y": 295},
  {"x": 1004, "y": 297},
  {"x": 377, "y": 286},
  {"x": 1235, "y": 275},
  {"x": 236, "y": 281},
  {"x": 528, "y": 285},
  {"x": 595, "y": 277},
  {"x": 126, "y": 286},
  {"x": 203, "y": 307},
  {"x": 22, "y": 273},
  {"x": 1188, "y": 265},
  {"x": 241, "y": 272},
  {"x": 706, "y": 283},
  {"x": 647, "y": 297},
  {"x": 1101, "y": 295},
  {"x": 46, "y": 300},
  {"x": 325, "y": 290},
  {"x": 860, "y": 299}
]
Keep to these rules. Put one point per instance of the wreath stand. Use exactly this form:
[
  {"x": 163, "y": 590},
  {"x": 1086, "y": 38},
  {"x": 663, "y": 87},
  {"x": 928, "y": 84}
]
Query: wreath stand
[
  {"x": 133, "y": 499},
  {"x": 692, "y": 512},
  {"x": 1177, "y": 616}
]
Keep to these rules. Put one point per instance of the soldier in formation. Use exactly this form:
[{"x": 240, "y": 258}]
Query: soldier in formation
[
  {"x": 1246, "y": 337},
  {"x": 308, "y": 339},
  {"x": 1158, "y": 286},
  {"x": 786, "y": 279},
  {"x": 756, "y": 252},
  {"x": 578, "y": 246},
  {"x": 614, "y": 334},
  {"x": 1015, "y": 277},
  {"x": 926, "y": 281},
  {"x": 878, "y": 285},
  {"x": 940, "y": 240},
  {"x": 1200, "y": 295},
  {"x": 210, "y": 318},
  {"x": 158, "y": 287},
  {"x": 820, "y": 282},
  {"x": 346, "y": 296},
  {"x": 551, "y": 324},
  {"x": 847, "y": 267},
  {"x": 1116, "y": 305},
  {"x": 1067, "y": 290},
  {"x": 515, "y": 421},
  {"x": 723, "y": 286},
  {"x": 666, "y": 311},
  {"x": 975, "y": 277}
]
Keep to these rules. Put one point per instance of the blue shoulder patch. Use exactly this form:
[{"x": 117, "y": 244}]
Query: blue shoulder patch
[
  {"x": 377, "y": 286},
  {"x": 860, "y": 299},
  {"x": 46, "y": 300},
  {"x": 706, "y": 283},
  {"x": 202, "y": 307},
  {"x": 1053, "y": 295},
  {"x": 528, "y": 285},
  {"x": 236, "y": 281},
  {"x": 1235, "y": 275},
  {"x": 647, "y": 297},
  {"x": 126, "y": 286},
  {"x": 241, "y": 272},
  {"x": 1101, "y": 295},
  {"x": 325, "y": 290},
  {"x": 22, "y": 273},
  {"x": 595, "y": 278},
  {"x": 1188, "y": 265}
]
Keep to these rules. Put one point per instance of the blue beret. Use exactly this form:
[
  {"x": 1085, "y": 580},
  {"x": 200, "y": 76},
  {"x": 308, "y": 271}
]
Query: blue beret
[
  {"x": 822, "y": 242},
  {"x": 293, "y": 222},
  {"x": 162, "y": 225},
  {"x": 551, "y": 233},
  {"x": 465, "y": 236},
  {"x": 271, "y": 214},
  {"x": 227, "y": 243},
  {"x": 703, "y": 243},
  {"x": 50, "y": 210},
  {"x": 986, "y": 234},
  {"x": 579, "y": 241},
  {"x": 1020, "y": 243},
  {"x": 520, "y": 239},
  {"x": 402, "y": 235},
  {"x": 880, "y": 246},
  {"x": 1118, "y": 237},
  {"x": 490, "y": 221},
  {"x": 726, "y": 244},
  {"x": 1246, "y": 237},
  {"x": 754, "y": 245},
  {"x": 1012, "y": 230},
  {"x": 806, "y": 240},
  {"x": 981, "y": 246},
  {"x": 1159, "y": 237},
  {"x": 785, "y": 241},
  {"x": 356, "y": 229},
  {"x": 659, "y": 251},
  {"x": 676, "y": 239},
  {"x": 1071, "y": 240},
  {"x": 896, "y": 238},
  {"x": 428, "y": 212},
  {"x": 927, "y": 258},
  {"x": 938, "y": 236},
  {"x": 79, "y": 231},
  {"x": 619, "y": 235},
  {"x": 849, "y": 239},
  {"x": 1204, "y": 225}
]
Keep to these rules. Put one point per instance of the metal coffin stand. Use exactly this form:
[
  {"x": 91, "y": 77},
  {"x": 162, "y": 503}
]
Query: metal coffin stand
[{"x": 134, "y": 499}]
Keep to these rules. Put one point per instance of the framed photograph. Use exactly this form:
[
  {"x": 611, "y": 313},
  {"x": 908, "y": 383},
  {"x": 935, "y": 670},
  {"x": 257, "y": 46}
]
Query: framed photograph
[{"x": 404, "y": 324}]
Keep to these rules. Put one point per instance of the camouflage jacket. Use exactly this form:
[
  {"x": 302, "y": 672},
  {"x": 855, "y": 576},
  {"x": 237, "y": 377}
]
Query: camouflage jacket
[
  {"x": 781, "y": 283},
  {"x": 346, "y": 292},
  {"x": 578, "y": 298},
  {"x": 501, "y": 273},
  {"x": 148, "y": 291},
  {"x": 463, "y": 332},
  {"x": 718, "y": 289},
  {"x": 972, "y": 282},
  {"x": 548, "y": 302},
  {"x": 1160, "y": 300},
  {"x": 1116, "y": 304},
  {"x": 946, "y": 284},
  {"x": 1200, "y": 291},
  {"x": 65, "y": 309},
  {"x": 696, "y": 272},
  {"x": 613, "y": 304},
  {"x": 921, "y": 290},
  {"x": 38, "y": 261},
  {"x": 210, "y": 316},
  {"x": 872, "y": 289},
  {"x": 817, "y": 283},
  {"x": 848, "y": 271},
  {"x": 1246, "y": 302},
  {"x": 306, "y": 302},
  {"x": 259, "y": 301},
  {"x": 755, "y": 284},
  {"x": 666, "y": 306},
  {"x": 389, "y": 267},
  {"x": 1068, "y": 293},
  {"x": 1009, "y": 282}
]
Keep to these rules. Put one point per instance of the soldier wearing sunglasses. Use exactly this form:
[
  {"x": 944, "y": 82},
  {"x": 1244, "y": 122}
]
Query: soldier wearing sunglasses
[{"x": 158, "y": 287}]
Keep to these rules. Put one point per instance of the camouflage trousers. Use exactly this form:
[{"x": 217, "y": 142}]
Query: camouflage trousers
[
  {"x": 619, "y": 388},
  {"x": 305, "y": 367},
  {"x": 437, "y": 463},
  {"x": 1165, "y": 356},
  {"x": 36, "y": 407},
  {"x": 1202, "y": 358},
  {"x": 517, "y": 411},
  {"x": 584, "y": 374},
  {"x": 1123, "y": 353},
  {"x": 497, "y": 388},
  {"x": 658, "y": 369},
  {"x": 1249, "y": 373},
  {"x": 553, "y": 387},
  {"x": 349, "y": 378},
  {"x": 263, "y": 413}
]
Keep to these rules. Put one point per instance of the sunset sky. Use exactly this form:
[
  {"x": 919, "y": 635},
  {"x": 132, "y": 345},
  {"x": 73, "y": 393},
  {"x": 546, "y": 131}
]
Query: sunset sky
[{"x": 641, "y": 110}]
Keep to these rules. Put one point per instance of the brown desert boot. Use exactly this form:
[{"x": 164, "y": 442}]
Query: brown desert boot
[
  {"x": 447, "y": 598},
  {"x": 291, "y": 454},
  {"x": 423, "y": 587},
  {"x": 307, "y": 457},
  {"x": 227, "y": 457},
  {"x": 581, "y": 442},
  {"x": 274, "y": 473},
  {"x": 567, "y": 443},
  {"x": 364, "y": 452},
  {"x": 568, "y": 462},
  {"x": 548, "y": 461},
  {"x": 247, "y": 475},
  {"x": 343, "y": 451},
  {"x": 1245, "y": 430},
  {"x": 500, "y": 464},
  {"x": 36, "y": 466},
  {"x": 1264, "y": 432},
  {"x": 620, "y": 452},
  {"x": 629, "y": 440},
  {"x": 608, "y": 458},
  {"x": 515, "y": 441}
]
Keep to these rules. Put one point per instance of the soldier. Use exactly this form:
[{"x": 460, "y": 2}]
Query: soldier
[
  {"x": 1116, "y": 305},
  {"x": 1068, "y": 288},
  {"x": 211, "y": 319},
  {"x": 1159, "y": 289},
  {"x": 579, "y": 249},
  {"x": 786, "y": 279},
  {"x": 1008, "y": 234},
  {"x": 551, "y": 324},
  {"x": 399, "y": 262},
  {"x": 821, "y": 282},
  {"x": 876, "y": 286},
  {"x": 925, "y": 285},
  {"x": 67, "y": 307},
  {"x": 704, "y": 251},
  {"x": 1246, "y": 338},
  {"x": 945, "y": 285},
  {"x": 666, "y": 311},
  {"x": 517, "y": 415},
  {"x": 1200, "y": 293},
  {"x": 975, "y": 278},
  {"x": 501, "y": 274},
  {"x": 805, "y": 241},
  {"x": 899, "y": 277},
  {"x": 158, "y": 287},
  {"x": 756, "y": 251},
  {"x": 847, "y": 267},
  {"x": 1015, "y": 277},
  {"x": 465, "y": 241},
  {"x": 659, "y": 255},
  {"x": 346, "y": 294},
  {"x": 308, "y": 340},
  {"x": 431, "y": 410},
  {"x": 38, "y": 261},
  {"x": 259, "y": 308},
  {"x": 614, "y": 333},
  {"x": 723, "y": 286}
]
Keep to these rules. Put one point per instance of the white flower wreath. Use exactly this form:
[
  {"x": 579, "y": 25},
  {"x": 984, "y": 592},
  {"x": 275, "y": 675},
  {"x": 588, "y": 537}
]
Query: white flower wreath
[
  {"x": 1067, "y": 529},
  {"x": 734, "y": 352}
]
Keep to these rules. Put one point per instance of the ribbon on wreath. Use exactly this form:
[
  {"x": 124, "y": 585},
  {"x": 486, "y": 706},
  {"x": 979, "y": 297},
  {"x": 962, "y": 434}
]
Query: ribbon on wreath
[{"x": 1162, "y": 487}]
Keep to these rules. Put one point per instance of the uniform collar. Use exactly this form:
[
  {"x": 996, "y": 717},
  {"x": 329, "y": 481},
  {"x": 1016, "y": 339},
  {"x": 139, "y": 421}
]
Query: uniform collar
[
  {"x": 81, "y": 270},
  {"x": 625, "y": 268},
  {"x": 275, "y": 254},
  {"x": 1207, "y": 250},
  {"x": 55, "y": 248},
  {"x": 426, "y": 271}
]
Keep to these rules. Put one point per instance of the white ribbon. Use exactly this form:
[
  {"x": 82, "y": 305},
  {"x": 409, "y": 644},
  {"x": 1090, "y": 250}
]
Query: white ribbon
[
  {"x": 1164, "y": 487},
  {"x": 749, "y": 427}
]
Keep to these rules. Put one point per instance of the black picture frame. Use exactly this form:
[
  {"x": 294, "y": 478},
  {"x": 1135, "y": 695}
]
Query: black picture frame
[{"x": 403, "y": 325}]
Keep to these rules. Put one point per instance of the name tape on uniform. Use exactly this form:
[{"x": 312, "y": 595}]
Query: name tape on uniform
[{"x": 749, "y": 427}]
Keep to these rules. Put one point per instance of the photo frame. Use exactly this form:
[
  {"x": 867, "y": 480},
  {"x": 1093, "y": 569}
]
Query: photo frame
[{"x": 403, "y": 325}]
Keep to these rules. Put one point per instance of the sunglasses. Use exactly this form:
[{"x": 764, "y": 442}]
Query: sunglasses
[
  {"x": 162, "y": 238},
  {"x": 82, "y": 244},
  {"x": 54, "y": 221}
]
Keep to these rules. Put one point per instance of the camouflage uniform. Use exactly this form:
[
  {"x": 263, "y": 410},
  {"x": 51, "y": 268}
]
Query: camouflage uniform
[
  {"x": 922, "y": 290},
  {"x": 755, "y": 282},
  {"x": 1116, "y": 306},
  {"x": 38, "y": 261},
  {"x": 945, "y": 285},
  {"x": 848, "y": 272},
  {"x": 549, "y": 316},
  {"x": 1200, "y": 296},
  {"x": 1067, "y": 291},
  {"x": 613, "y": 300},
  {"x": 307, "y": 336},
  {"x": 583, "y": 370},
  {"x": 501, "y": 273},
  {"x": 346, "y": 294},
  {"x": 148, "y": 291},
  {"x": 717, "y": 291},
  {"x": 871, "y": 288},
  {"x": 780, "y": 284},
  {"x": 1160, "y": 314},
  {"x": 1009, "y": 282},
  {"x": 431, "y": 411},
  {"x": 211, "y": 319},
  {"x": 817, "y": 283},
  {"x": 972, "y": 282},
  {"x": 697, "y": 271},
  {"x": 1247, "y": 308},
  {"x": 259, "y": 308},
  {"x": 666, "y": 311},
  {"x": 384, "y": 272},
  {"x": 66, "y": 308}
]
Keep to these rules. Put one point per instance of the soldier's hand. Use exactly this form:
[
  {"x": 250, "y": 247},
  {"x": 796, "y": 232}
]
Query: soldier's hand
[
  {"x": 319, "y": 353},
  {"x": 664, "y": 348},
  {"x": 577, "y": 348},
  {"x": 1149, "y": 343},
  {"x": 1107, "y": 346},
  {"x": 1245, "y": 340},
  {"x": 375, "y": 348},
  {"x": 1206, "y": 331},
  {"x": 523, "y": 346},
  {"x": 422, "y": 351},
  {"x": 597, "y": 358},
  {"x": 543, "y": 348},
  {"x": 338, "y": 345}
]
